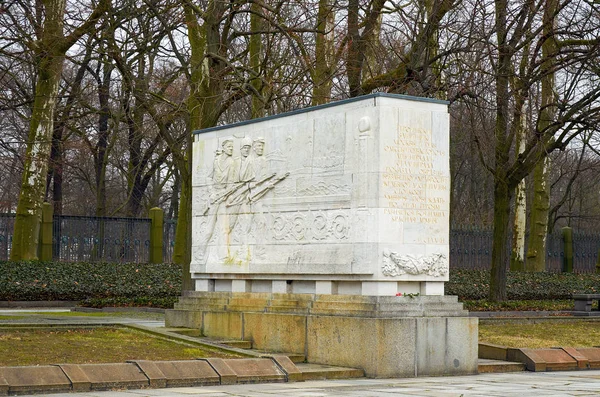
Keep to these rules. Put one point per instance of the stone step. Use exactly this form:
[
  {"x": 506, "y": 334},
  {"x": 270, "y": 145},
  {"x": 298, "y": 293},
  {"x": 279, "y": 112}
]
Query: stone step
[
  {"x": 193, "y": 332},
  {"x": 322, "y": 372},
  {"x": 240, "y": 344},
  {"x": 499, "y": 366},
  {"x": 296, "y": 358}
]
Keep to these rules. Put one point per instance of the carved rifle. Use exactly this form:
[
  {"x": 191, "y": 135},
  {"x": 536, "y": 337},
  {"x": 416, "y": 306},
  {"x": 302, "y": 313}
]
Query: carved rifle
[
  {"x": 240, "y": 195},
  {"x": 225, "y": 195},
  {"x": 261, "y": 192}
]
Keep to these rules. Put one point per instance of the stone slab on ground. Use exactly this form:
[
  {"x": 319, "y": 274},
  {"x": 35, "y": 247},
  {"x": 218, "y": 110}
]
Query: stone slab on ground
[
  {"x": 155, "y": 376},
  {"x": 187, "y": 373},
  {"x": 292, "y": 373},
  {"x": 115, "y": 375},
  {"x": 552, "y": 359},
  {"x": 226, "y": 374},
  {"x": 593, "y": 356},
  {"x": 33, "y": 379},
  {"x": 253, "y": 370},
  {"x": 78, "y": 378}
]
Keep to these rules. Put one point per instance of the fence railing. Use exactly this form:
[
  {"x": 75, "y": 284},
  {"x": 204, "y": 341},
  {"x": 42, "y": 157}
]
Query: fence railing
[
  {"x": 96, "y": 239},
  {"x": 93, "y": 239},
  {"x": 7, "y": 223},
  {"x": 471, "y": 248},
  {"x": 82, "y": 238}
]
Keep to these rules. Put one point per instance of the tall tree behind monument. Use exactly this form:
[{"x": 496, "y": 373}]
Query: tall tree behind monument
[
  {"x": 538, "y": 224},
  {"x": 49, "y": 47}
]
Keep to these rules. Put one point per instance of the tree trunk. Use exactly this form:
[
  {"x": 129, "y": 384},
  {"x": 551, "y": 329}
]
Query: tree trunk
[
  {"x": 183, "y": 233},
  {"x": 323, "y": 47},
  {"x": 101, "y": 155},
  {"x": 502, "y": 190},
  {"x": 517, "y": 259},
  {"x": 538, "y": 224},
  {"x": 49, "y": 50},
  {"x": 536, "y": 251},
  {"x": 41, "y": 127},
  {"x": 500, "y": 241},
  {"x": 354, "y": 56},
  {"x": 255, "y": 52}
]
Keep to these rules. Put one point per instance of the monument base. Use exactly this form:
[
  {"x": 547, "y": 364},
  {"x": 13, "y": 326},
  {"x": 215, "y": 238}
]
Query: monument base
[{"x": 387, "y": 336}]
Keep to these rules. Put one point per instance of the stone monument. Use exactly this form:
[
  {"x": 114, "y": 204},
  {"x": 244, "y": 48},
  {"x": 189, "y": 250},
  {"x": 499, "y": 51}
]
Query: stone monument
[{"x": 325, "y": 231}]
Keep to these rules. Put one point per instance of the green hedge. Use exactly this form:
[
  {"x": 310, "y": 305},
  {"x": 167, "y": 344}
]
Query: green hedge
[
  {"x": 122, "y": 284},
  {"x": 130, "y": 282},
  {"x": 474, "y": 284}
]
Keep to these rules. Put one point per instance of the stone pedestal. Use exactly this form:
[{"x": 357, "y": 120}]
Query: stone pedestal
[{"x": 387, "y": 336}]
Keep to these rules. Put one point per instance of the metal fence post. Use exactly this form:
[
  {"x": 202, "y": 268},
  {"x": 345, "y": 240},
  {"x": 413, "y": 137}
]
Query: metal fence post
[
  {"x": 567, "y": 235},
  {"x": 156, "y": 235},
  {"x": 45, "y": 252}
]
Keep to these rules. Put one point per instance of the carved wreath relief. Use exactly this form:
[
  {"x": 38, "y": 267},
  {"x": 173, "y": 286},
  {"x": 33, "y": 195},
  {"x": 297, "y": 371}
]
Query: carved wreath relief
[{"x": 395, "y": 264}]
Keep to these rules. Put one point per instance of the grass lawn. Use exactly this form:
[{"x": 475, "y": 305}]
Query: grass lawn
[
  {"x": 90, "y": 345},
  {"x": 543, "y": 334},
  {"x": 134, "y": 314}
]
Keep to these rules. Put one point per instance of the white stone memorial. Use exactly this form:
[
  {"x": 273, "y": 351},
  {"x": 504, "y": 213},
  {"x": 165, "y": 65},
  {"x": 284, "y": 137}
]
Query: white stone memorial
[
  {"x": 351, "y": 198},
  {"x": 308, "y": 225}
]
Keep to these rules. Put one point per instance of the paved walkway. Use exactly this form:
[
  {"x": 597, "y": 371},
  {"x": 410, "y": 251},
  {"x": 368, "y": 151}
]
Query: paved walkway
[{"x": 540, "y": 384}]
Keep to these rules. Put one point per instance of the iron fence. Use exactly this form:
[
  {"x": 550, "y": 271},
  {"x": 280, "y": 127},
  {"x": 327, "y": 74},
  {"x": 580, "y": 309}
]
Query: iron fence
[
  {"x": 90, "y": 239},
  {"x": 169, "y": 227},
  {"x": 585, "y": 251},
  {"x": 471, "y": 248},
  {"x": 7, "y": 222}
]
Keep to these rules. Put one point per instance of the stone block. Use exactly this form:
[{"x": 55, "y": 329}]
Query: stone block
[
  {"x": 119, "y": 375},
  {"x": 187, "y": 373},
  {"x": 532, "y": 360},
  {"x": 184, "y": 318},
  {"x": 3, "y": 386},
  {"x": 30, "y": 380},
  {"x": 292, "y": 373},
  {"x": 227, "y": 325},
  {"x": 78, "y": 378},
  {"x": 555, "y": 359},
  {"x": 492, "y": 352},
  {"x": 275, "y": 332},
  {"x": 582, "y": 361},
  {"x": 593, "y": 356},
  {"x": 254, "y": 370},
  {"x": 382, "y": 347},
  {"x": 227, "y": 375},
  {"x": 446, "y": 346},
  {"x": 154, "y": 374}
]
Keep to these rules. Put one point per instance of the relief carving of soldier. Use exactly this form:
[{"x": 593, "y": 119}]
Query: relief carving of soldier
[
  {"x": 242, "y": 169},
  {"x": 239, "y": 183},
  {"x": 223, "y": 162}
]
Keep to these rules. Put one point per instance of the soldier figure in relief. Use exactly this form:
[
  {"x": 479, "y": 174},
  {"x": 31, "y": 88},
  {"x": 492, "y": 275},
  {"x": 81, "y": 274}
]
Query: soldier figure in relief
[
  {"x": 260, "y": 163},
  {"x": 242, "y": 169},
  {"x": 223, "y": 162}
]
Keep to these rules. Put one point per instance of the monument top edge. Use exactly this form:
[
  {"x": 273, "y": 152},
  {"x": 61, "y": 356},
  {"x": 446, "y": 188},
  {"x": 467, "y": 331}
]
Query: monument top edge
[{"x": 324, "y": 106}]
